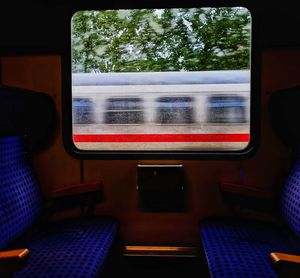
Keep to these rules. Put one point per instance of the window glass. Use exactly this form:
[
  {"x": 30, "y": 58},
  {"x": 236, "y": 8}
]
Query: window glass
[
  {"x": 176, "y": 110},
  {"x": 124, "y": 111},
  {"x": 83, "y": 111},
  {"x": 161, "y": 79},
  {"x": 226, "y": 109}
]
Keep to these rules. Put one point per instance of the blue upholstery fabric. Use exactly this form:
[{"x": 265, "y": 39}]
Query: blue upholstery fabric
[
  {"x": 20, "y": 201},
  {"x": 290, "y": 200},
  {"x": 241, "y": 249},
  {"x": 74, "y": 247}
]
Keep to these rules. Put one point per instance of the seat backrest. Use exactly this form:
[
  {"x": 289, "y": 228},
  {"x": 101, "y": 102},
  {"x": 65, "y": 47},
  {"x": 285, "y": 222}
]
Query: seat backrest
[
  {"x": 20, "y": 198},
  {"x": 27, "y": 112},
  {"x": 285, "y": 116},
  {"x": 285, "y": 119},
  {"x": 22, "y": 112},
  {"x": 290, "y": 199}
]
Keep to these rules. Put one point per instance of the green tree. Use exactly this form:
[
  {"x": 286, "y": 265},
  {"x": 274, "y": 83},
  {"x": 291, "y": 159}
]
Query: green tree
[{"x": 161, "y": 40}]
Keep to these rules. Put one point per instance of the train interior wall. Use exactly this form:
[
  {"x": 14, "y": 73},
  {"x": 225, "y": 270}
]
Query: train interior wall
[{"x": 55, "y": 168}]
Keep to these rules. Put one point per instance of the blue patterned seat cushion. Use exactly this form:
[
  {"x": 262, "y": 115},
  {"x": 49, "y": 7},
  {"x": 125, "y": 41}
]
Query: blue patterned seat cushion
[
  {"x": 20, "y": 197},
  {"x": 241, "y": 249},
  {"x": 71, "y": 248},
  {"x": 290, "y": 199}
]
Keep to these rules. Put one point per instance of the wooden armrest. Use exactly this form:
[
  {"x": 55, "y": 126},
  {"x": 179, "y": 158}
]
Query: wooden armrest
[
  {"x": 250, "y": 191},
  {"x": 13, "y": 260},
  {"x": 278, "y": 258},
  {"x": 286, "y": 265},
  {"x": 77, "y": 189},
  {"x": 18, "y": 254},
  {"x": 84, "y": 196}
]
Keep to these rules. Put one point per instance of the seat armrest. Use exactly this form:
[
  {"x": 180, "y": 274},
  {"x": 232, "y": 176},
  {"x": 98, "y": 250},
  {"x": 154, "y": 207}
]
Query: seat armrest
[
  {"x": 77, "y": 189},
  {"x": 286, "y": 265},
  {"x": 250, "y": 191},
  {"x": 279, "y": 258},
  {"x": 84, "y": 195},
  {"x": 13, "y": 260},
  {"x": 248, "y": 197}
]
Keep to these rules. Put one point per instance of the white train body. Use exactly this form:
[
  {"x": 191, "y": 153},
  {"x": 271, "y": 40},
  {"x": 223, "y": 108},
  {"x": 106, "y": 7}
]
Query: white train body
[{"x": 100, "y": 88}]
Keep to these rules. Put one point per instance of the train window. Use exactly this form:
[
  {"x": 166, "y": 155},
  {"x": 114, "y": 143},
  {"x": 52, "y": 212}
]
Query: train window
[
  {"x": 82, "y": 111},
  {"x": 226, "y": 109},
  {"x": 165, "y": 81},
  {"x": 128, "y": 110},
  {"x": 175, "y": 110}
]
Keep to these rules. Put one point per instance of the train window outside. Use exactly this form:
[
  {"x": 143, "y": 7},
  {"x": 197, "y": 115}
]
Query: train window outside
[
  {"x": 175, "y": 110},
  {"x": 124, "y": 111},
  {"x": 83, "y": 111},
  {"x": 162, "y": 80},
  {"x": 226, "y": 109}
]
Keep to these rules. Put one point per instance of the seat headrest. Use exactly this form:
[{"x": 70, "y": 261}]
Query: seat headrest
[
  {"x": 284, "y": 107},
  {"x": 24, "y": 112}
]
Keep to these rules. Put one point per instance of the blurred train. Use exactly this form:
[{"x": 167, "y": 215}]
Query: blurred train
[
  {"x": 155, "y": 103},
  {"x": 161, "y": 97}
]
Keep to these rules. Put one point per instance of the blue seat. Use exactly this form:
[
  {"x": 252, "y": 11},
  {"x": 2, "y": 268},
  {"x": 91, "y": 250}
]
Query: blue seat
[
  {"x": 76, "y": 247},
  {"x": 236, "y": 247}
]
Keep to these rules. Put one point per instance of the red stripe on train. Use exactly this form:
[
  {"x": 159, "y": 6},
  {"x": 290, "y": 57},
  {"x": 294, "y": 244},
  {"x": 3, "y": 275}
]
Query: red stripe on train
[{"x": 215, "y": 137}]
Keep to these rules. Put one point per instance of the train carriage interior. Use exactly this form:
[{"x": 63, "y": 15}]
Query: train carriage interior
[{"x": 143, "y": 139}]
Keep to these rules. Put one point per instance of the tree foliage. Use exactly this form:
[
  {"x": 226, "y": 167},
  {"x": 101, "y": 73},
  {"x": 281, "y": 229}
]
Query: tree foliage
[{"x": 161, "y": 40}]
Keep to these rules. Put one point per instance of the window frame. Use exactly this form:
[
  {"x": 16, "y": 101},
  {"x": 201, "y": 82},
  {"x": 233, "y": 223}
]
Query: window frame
[{"x": 255, "y": 61}]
